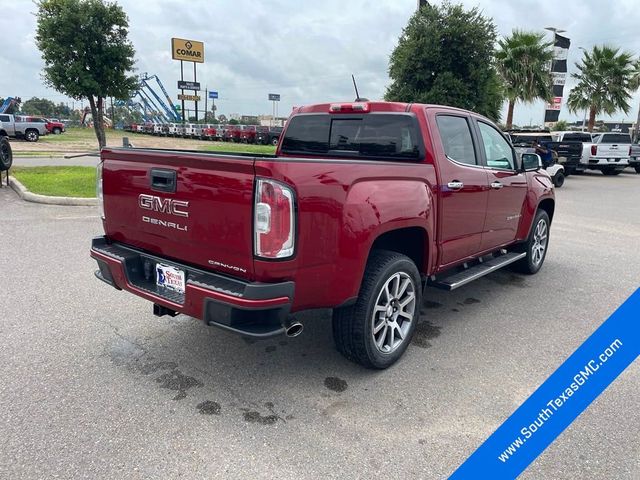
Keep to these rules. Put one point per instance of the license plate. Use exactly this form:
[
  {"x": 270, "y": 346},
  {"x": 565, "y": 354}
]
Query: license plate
[{"x": 170, "y": 277}]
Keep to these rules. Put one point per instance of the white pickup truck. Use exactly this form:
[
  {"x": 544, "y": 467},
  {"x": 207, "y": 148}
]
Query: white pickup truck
[
  {"x": 608, "y": 152},
  {"x": 29, "y": 128}
]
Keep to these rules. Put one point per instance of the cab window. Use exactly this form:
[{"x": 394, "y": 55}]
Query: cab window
[
  {"x": 456, "y": 139},
  {"x": 497, "y": 150}
]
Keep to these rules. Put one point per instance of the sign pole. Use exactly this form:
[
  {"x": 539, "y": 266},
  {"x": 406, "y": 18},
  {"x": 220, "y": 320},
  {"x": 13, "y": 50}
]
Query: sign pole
[
  {"x": 195, "y": 92},
  {"x": 213, "y": 107},
  {"x": 182, "y": 90},
  {"x": 206, "y": 98}
]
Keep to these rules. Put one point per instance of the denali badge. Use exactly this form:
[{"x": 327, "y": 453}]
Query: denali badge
[{"x": 164, "y": 205}]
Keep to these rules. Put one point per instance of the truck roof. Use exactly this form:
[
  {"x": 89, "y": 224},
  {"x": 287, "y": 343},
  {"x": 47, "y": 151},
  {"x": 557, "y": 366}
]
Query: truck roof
[{"x": 373, "y": 106}]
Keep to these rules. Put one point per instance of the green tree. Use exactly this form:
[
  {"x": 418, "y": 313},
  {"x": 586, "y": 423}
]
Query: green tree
[
  {"x": 606, "y": 78},
  {"x": 561, "y": 126},
  {"x": 38, "y": 106},
  {"x": 445, "y": 55},
  {"x": 233, "y": 121},
  {"x": 87, "y": 53},
  {"x": 523, "y": 62}
]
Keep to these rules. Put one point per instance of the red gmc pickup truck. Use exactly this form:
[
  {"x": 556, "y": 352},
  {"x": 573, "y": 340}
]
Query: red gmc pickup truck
[{"x": 363, "y": 205}]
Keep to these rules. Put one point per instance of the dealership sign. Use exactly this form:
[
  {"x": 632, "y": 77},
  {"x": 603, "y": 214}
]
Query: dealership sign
[
  {"x": 184, "y": 85},
  {"x": 274, "y": 97},
  {"x": 189, "y": 98},
  {"x": 187, "y": 50}
]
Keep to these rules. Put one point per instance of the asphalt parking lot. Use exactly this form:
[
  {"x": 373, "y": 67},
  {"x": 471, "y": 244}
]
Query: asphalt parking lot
[{"x": 94, "y": 386}]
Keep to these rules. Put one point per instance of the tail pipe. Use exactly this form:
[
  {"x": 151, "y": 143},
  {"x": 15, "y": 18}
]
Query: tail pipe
[{"x": 292, "y": 328}]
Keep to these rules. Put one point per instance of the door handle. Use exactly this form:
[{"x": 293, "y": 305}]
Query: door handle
[
  {"x": 455, "y": 185},
  {"x": 497, "y": 185}
]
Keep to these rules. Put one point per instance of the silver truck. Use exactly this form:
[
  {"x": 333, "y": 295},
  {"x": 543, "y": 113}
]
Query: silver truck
[
  {"x": 609, "y": 152},
  {"x": 29, "y": 128}
]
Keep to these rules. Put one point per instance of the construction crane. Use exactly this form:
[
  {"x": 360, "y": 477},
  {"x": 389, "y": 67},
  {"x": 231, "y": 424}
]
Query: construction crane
[
  {"x": 166, "y": 108},
  {"x": 10, "y": 105}
]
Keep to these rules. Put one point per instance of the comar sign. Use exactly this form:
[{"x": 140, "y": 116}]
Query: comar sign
[{"x": 187, "y": 50}]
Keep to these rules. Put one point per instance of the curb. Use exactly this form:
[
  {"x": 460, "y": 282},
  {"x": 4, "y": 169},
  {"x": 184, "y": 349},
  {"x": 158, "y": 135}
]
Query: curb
[{"x": 28, "y": 196}]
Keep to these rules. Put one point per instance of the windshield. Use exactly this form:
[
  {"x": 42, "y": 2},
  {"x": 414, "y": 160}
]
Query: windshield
[
  {"x": 369, "y": 135},
  {"x": 615, "y": 138}
]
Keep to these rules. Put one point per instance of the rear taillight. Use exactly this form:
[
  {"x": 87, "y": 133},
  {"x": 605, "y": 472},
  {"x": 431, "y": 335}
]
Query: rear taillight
[
  {"x": 594, "y": 150},
  {"x": 99, "y": 194},
  {"x": 274, "y": 220}
]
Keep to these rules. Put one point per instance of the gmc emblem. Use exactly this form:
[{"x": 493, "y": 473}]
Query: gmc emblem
[{"x": 164, "y": 205}]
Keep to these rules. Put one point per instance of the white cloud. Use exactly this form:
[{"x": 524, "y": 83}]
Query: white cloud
[{"x": 306, "y": 51}]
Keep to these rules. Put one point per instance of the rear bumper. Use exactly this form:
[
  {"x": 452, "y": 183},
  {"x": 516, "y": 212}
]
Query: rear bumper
[
  {"x": 598, "y": 162},
  {"x": 247, "y": 308}
]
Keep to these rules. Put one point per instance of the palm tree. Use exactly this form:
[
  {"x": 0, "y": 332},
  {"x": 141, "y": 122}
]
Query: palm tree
[
  {"x": 523, "y": 61},
  {"x": 606, "y": 77}
]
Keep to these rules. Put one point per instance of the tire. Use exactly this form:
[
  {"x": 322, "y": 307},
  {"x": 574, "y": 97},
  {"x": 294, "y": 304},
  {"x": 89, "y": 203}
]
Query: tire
[
  {"x": 274, "y": 141},
  {"x": 31, "y": 135},
  {"x": 538, "y": 236},
  {"x": 353, "y": 326},
  {"x": 637, "y": 169},
  {"x": 57, "y": 131},
  {"x": 6, "y": 155},
  {"x": 569, "y": 171},
  {"x": 558, "y": 179}
]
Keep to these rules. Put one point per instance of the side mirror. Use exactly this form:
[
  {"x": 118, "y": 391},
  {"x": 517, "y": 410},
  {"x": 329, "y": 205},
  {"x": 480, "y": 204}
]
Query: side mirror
[{"x": 531, "y": 162}]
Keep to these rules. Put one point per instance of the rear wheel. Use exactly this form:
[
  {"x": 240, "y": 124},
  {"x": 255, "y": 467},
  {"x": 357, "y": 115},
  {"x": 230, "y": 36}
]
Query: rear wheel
[
  {"x": 6, "y": 156},
  {"x": 536, "y": 245},
  {"x": 274, "y": 141},
  {"x": 31, "y": 135},
  {"x": 378, "y": 328},
  {"x": 57, "y": 131},
  {"x": 637, "y": 169},
  {"x": 558, "y": 179}
]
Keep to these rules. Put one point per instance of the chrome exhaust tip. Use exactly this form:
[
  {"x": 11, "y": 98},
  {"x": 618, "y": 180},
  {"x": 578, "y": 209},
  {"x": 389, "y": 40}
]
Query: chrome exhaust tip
[{"x": 293, "y": 329}]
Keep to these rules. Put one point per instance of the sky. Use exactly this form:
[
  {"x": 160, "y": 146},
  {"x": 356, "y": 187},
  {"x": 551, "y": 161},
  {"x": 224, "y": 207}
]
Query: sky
[{"x": 305, "y": 51}]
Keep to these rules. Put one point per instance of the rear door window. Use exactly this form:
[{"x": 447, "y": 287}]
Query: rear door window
[{"x": 456, "y": 139}]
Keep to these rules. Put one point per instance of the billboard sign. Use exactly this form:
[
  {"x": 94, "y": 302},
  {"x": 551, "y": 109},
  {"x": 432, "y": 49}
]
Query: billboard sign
[
  {"x": 185, "y": 85},
  {"x": 213, "y": 95},
  {"x": 189, "y": 98},
  {"x": 187, "y": 50},
  {"x": 274, "y": 97}
]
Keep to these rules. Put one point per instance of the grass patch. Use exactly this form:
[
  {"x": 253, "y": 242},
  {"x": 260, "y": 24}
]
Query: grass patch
[
  {"x": 239, "y": 147},
  {"x": 79, "y": 134},
  {"x": 58, "y": 181},
  {"x": 20, "y": 153}
]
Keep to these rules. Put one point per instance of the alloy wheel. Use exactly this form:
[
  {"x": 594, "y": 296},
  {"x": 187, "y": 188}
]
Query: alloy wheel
[{"x": 393, "y": 312}]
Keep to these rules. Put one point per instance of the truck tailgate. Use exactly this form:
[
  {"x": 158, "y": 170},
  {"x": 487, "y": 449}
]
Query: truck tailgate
[
  {"x": 607, "y": 150},
  {"x": 193, "y": 207}
]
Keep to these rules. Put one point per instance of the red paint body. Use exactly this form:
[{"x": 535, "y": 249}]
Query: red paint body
[{"x": 342, "y": 205}]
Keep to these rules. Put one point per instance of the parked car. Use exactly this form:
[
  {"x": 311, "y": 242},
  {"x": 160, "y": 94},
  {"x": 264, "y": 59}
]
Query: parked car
[
  {"x": 189, "y": 130},
  {"x": 157, "y": 129},
  {"x": 609, "y": 152},
  {"x": 229, "y": 133},
  {"x": 525, "y": 142},
  {"x": 248, "y": 134},
  {"x": 268, "y": 135},
  {"x": 634, "y": 157},
  {"x": 361, "y": 206},
  {"x": 29, "y": 128},
  {"x": 212, "y": 132},
  {"x": 569, "y": 146},
  {"x": 55, "y": 126}
]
